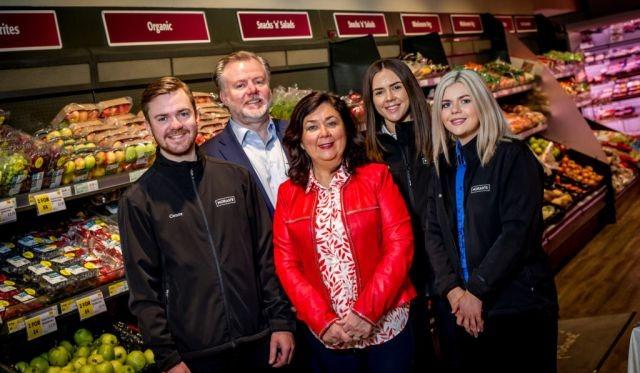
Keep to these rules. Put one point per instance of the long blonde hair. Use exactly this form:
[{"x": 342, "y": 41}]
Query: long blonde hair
[{"x": 493, "y": 126}]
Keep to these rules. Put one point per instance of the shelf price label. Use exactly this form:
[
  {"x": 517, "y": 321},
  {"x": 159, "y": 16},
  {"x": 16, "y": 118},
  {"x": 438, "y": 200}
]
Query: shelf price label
[
  {"x": 135, "y": 175},
  {"x": 88, "y": 187},
  {"x": 68, "y": 306},
  {"x": 49, "y": 202},
  {"x": 41, "y": 324},
  {"x": 15, "y": 325},
  {"x": 8, "y": 211},
  {"x": 91, "y": 305},
  {"x": 118, "y": 288}
]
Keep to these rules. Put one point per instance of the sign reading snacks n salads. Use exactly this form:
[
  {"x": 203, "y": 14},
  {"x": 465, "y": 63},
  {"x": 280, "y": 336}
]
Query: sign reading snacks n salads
[{"x": 274, "y": 25}]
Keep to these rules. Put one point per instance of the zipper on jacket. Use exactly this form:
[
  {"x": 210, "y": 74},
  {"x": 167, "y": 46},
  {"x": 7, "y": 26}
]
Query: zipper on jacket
[
  {"x": 215, "y": 256},
  {"x": 166, "y": 297},
  {"x": 407, "y": 168}
]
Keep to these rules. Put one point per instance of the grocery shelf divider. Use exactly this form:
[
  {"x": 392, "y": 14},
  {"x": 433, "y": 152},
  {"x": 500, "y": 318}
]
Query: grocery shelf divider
[
  {"x": 532, "y": 131},
  {"x": 70, "y": 192}
]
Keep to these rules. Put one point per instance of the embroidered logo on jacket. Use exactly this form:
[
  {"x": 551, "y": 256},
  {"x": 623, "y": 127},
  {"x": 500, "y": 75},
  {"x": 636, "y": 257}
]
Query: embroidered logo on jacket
[
  {"x": 230, "y": 200},
  {"x": 481, "y": 188},
  {"x": 173, "y": 216}
]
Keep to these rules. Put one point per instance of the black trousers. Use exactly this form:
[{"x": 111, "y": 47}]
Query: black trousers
[
  {"x": 246, "y": 357},
  {"x": 525, "y": 343},
  {"x": 394, "y": 356}
]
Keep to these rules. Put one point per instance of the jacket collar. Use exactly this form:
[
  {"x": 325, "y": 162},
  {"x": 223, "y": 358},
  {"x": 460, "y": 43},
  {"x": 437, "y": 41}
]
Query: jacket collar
[{"x": 163, "y": 163}]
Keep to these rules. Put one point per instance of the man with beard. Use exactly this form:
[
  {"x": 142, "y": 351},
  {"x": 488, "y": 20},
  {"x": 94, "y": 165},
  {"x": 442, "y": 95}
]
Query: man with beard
[
  {"x": 252, "y": 138},
  {"x": 197, "y": 244}
]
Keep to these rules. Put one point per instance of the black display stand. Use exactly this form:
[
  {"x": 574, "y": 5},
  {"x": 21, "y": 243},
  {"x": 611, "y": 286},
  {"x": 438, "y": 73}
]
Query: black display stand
[
  {"x": 349, "y": 61},
  {"x": 429, "y": 46}
]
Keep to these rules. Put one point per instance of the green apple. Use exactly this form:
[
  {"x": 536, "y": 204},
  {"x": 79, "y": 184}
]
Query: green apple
[
  {"x": 136, "y": 360},
  {"x": 128, "y": 369},
  {"x": 87, "y": 369},
  {"x": 58, "y": 356},
  {"x": 109, "y": 339},
  {"x": 21, "y": 366},
  {"x": 82, "y": 351},
  {"x": 148, "y": 354},
  {"x": 141, "y": 150},
  {"x": 104, "y": 367},
  {"x": 79, "y": 362},
  {"x": 130, "y": 154},
  {"x": 66, "y": 132},
  {"x": 150, "y": 148},
  {"x": 69, "y": 368},
  {"x": 83, "y": 337},
  {"x": 34, "y": 370},
  {"x": 118, "y": 367},
  {"x": 95, "y": 359},
  {"x": 106, "y": 351},
  {"x": 68, "y": 346},
  {"x": 39, "y": 363},
  {"x": 120, "y": 354},
  {"x": 54, "y": 370},
  {"x": 45, "y": 355}
]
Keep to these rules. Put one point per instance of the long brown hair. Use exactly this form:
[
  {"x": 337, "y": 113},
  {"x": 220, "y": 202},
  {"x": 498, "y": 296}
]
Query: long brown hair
[
  {"x": 300, "y": 163},
  {"x": 418, "y": 108}
]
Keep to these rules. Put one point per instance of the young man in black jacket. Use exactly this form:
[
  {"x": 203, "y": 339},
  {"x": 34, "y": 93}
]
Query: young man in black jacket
[{"x": 197, "y": 244}]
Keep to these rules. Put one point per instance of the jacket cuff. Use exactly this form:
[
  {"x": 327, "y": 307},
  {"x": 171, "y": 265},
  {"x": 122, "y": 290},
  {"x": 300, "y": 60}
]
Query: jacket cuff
[
  {"x": 478, "y": 286},
  {"x": 280, "y": 325},
  {"x": 321, "y": 332},
  {"x": 448, "y": 287},
  {"x": 363, "y": 317},
  {"x": 170, "y": 360}
]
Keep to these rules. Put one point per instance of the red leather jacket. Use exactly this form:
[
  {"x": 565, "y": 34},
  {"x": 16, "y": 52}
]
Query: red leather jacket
[{"x": 379, "y": 232}]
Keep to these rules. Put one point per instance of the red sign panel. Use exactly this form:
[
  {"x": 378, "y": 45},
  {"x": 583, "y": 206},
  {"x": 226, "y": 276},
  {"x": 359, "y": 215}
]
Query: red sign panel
[
  {"x": 507, "y": 23},
  {"x": 360, "y": 24},
  {"x": 139, "y": 27},
  {"x": 274, "y": 25},
  {"x": 466, "y": 24},
  {"x": 420, "y": 24},
  {"x": 526, "y": 24},
  {"x": 22, "y": 30}
]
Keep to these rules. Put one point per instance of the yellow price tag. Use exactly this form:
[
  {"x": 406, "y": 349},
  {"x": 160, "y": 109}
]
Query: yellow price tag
[
  {"x": 85, "y": 308},
  {"x": 117, "y": 288},
  {"x": 15, "y": 325},
  {"x": 34, "y": 328},
  {"x": 44, "y": 204},
  {"x": 67, "y": 306}
]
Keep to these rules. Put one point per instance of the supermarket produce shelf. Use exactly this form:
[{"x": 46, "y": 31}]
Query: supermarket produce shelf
[
  {"x": 68, "y": 307},
  {"x": 564, "y": 74},
  {"x": 531, "y": 131},
  {"x": 512, "y": 91},
  {"x": 78, "y": 190},
  {"x": 627, "y": 195},
  {"x": 580, "y": 215}
]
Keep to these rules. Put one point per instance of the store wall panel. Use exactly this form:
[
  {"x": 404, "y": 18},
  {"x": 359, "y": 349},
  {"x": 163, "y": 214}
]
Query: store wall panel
[
  {"x": 307, "y": 56},
  {"x": 317, "y": 79},
  {"x": 481, "y": 45},
  {"x": 448, "y": 49},
  {"x": 389, "y": 51},
  {"x": 44, "y": 77},
  {"x": 133, "y": 70},
  {"x": 195, "y": 65},
  {"x": 462, "y": 47},
  {"x": 275, "y": 59}
]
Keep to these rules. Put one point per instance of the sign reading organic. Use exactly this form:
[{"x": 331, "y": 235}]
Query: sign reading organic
[
  {"x": 274, "y": 25},
  {"x": 138, "y": 27},
  {"x": 526, "y": 24},
  {"x": 22, "y": 30},
  {"x": 420, "y": 24},
  {"x": 507, "y": 23},
  {"x": 466, "y": 23},
  {"x": 360, "y": 24}
]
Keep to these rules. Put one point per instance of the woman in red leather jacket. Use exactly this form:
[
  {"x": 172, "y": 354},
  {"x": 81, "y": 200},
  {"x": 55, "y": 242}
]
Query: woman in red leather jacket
[{"x": 343, "y": 244}]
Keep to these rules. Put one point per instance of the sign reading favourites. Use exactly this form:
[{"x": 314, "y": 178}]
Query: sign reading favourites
[
  {"x": 360, "y": 24},
  {"x": 466, "y": 24},
  {"x": 274, "y": 25},
  {"x": 420, "y": 24},
  {"x": 23, "y": 30},
  {"x": 140, "y": 27}
]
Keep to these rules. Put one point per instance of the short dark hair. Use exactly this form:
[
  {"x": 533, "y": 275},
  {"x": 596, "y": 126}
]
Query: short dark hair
[
  {"x": 163, "y": 86},
  {"x": 300, "y": 163},
  {"x": 418, "y": 108}
]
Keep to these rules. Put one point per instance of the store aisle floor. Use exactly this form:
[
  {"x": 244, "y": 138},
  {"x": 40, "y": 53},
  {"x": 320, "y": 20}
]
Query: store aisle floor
[{"x": 604, "y": 278}]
